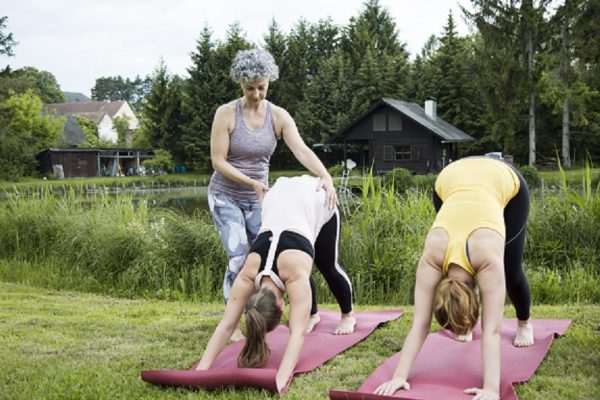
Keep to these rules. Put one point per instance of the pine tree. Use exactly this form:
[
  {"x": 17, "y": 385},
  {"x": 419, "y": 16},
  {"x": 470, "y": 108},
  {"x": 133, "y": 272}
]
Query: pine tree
[
  {"x": 199, "y": 105},
  {"x": 458, "y": 97},
  {"x": 162, "y": 113}
]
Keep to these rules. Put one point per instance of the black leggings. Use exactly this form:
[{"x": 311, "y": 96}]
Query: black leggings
[
  {"x": 326, "y": 260},
  {"x": 515, "y": 220}
]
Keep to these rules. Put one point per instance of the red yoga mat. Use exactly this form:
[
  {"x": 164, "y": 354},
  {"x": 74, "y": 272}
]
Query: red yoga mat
[
  {"x": 446, "y": 367},
  {"x": 319, "y": 346}
]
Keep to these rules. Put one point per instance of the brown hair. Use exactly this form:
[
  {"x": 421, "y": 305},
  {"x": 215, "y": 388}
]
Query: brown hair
[
  {"x": 456, "y": 306},
  {"x": 262, "y": 316}
]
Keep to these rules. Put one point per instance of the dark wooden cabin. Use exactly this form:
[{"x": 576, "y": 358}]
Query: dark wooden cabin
[
  {"x": 396, "y": 133},
  {"x": 92, "y": 162}
]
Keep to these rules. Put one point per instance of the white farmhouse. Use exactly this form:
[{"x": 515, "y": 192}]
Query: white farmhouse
[{"x": 102, "y": 113}]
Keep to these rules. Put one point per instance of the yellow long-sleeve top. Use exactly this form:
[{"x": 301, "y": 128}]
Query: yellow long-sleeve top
[{"x": 474, "y": 192}]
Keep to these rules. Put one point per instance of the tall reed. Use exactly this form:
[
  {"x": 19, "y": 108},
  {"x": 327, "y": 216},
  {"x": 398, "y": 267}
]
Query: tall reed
[{"x": 113, "y": 245}]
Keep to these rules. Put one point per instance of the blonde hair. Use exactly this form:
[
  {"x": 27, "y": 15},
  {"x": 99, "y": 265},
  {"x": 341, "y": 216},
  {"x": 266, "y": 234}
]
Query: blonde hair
[
  {"x": 456, "y": 306},
  {"x": 262, "y": 316}
]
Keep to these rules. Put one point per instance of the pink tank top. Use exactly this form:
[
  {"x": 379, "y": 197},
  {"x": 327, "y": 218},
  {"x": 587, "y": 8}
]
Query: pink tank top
[{"x": 249, "y": 152}]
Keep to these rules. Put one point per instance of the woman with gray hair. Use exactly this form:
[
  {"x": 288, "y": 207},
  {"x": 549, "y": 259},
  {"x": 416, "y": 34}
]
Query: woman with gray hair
[{"x": 244, "y": 135}]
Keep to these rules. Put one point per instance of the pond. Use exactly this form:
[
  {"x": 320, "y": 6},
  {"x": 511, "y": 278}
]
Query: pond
[
  {"x": 186, "y": 199},
  {"x": 183, "y": 199}
]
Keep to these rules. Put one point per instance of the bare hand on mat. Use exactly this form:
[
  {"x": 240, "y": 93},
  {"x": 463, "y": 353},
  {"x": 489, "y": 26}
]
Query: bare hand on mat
[{"x": 392, "y": 386}]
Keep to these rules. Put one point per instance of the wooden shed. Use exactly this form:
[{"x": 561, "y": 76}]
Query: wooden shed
[
  {"x": 395, "y": 133},
  {"x": 75, "y": 162}
]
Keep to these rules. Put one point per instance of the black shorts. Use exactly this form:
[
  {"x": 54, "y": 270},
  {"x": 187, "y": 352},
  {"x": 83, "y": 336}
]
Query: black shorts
[{"x": 288, "y": 240}]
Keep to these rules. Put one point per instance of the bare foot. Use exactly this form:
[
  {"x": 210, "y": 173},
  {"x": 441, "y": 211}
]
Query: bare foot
[
  {"x": 346, "y": 325},
  {"x": 524, "y": 336},
  {"x": 312, "y": 322},
  {"x": 237, "y": 335},
  {"x": 464, "y": 338}
]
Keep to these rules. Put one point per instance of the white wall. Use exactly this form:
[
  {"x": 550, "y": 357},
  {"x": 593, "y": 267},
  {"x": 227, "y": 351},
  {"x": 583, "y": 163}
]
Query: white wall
[
  {"x": 106, "y": 130},
  {"x": 126, "y": 111}
]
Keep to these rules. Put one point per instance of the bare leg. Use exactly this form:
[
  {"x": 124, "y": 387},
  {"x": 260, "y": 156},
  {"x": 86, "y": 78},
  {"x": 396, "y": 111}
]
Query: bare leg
[
  {"x": 524, "y": 336},
  {"x": 312, "y": 322},
  {"x": 346, "y": 325}
]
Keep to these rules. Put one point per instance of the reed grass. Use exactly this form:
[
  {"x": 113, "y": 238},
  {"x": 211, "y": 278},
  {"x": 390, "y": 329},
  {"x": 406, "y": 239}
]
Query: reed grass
[{"x": 114, "y": 245}]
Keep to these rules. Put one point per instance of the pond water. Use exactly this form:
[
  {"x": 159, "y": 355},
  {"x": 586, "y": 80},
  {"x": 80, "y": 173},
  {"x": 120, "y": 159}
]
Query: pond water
[
  {"x": 186, "y": 200},
  {"x": 183, "y": 199}
]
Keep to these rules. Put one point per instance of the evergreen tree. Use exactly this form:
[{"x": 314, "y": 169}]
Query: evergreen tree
[
  {"x": 365, "y": 87},
  {"x": 209, "y": 86},
  {"x": 424, "y": 74},
  {"x": 162, "y": 115},
  {"x": 199, "y": 106},
  {"x": 6, "y": 39},
  {"x": 458, "y": 100},
  {"x": 275, "y": 42}
]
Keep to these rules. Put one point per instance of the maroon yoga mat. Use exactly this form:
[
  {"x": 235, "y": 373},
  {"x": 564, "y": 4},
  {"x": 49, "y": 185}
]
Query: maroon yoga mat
[
  {"x": 319, "y": 346},
  {"x": 446, "y": 367}
]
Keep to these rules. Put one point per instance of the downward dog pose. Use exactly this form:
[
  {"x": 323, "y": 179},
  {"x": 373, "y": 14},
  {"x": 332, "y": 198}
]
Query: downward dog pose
[
  {"x": 297, "y": 226},
  {"x": 477, "y": 239},
  {"x": 244, "y": 134}
]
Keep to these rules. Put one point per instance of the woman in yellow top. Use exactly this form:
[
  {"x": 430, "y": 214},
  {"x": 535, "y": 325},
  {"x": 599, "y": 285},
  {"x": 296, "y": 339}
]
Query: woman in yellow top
[{"x": 477, "y": 240}]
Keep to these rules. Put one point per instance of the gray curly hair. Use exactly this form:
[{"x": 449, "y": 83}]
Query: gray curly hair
[{"x": 253, "y": 64}]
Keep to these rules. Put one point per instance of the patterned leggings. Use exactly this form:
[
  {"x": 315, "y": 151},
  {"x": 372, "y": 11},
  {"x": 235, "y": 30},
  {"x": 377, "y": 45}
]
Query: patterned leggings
[{"x": 238, "y": 222}]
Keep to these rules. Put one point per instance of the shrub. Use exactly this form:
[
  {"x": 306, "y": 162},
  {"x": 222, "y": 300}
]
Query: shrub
[
  {"x": 336, "y": 169},
  {"x": 400, "y": 179},
  {"x": 162, "y": 161},
  {"x": 531, "y": 175}
]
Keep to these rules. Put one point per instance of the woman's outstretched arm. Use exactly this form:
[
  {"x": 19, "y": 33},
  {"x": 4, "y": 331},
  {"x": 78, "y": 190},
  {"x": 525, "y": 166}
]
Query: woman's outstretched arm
[
  {"x": 298, "y": 289},
  {"x": 242, "y": 289},
  {"x": 304, "y": 154},
  {"x": 427, "y": 279},
  {"x": 488, "y": 252}
]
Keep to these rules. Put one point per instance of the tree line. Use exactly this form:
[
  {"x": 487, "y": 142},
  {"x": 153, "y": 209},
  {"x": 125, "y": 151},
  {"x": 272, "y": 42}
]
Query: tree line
[{"x": 525, "y": 80}]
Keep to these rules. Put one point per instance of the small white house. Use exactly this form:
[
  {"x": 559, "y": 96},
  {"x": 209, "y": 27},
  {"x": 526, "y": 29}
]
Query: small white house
[{"x": 102, "y": 113}]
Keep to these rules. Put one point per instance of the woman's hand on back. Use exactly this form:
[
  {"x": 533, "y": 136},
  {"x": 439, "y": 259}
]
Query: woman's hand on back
[{"x": 326, "y": 183}]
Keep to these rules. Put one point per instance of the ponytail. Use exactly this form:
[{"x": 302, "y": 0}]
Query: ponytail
[{"x": 262, "y": 316}]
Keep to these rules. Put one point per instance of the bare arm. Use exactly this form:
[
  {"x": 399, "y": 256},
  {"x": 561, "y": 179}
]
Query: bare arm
[
  {"x": 297, "y": 289},
  {"x": 219, "y": 147},
  {"x": 492, "y": 286},
  {"x": 242, "y": 289},
  {"x": 304, "y": 154},
  {"x": 428, "y": 277}
]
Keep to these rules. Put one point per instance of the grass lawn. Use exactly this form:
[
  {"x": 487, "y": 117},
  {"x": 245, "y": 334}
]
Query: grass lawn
[{"x": 58, "y": 344}]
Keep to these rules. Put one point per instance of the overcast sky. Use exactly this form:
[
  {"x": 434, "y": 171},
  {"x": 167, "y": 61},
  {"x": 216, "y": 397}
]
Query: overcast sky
[{"x": 81, "y": 40}]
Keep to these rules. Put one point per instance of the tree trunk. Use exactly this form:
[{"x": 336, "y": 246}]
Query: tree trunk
[
  {"x": 566, "y": 135},
  {"x": 531, "y": 97},
  {"x": 565, "y": 67}
]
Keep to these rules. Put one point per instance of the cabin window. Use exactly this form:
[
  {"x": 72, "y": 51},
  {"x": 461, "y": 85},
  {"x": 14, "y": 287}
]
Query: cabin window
[
  {"x": 379, "y": 122},
  {"x": 395, "y": 122},
  {"x": 402, "y": 153},
  {"x": 388, "y": 153}
]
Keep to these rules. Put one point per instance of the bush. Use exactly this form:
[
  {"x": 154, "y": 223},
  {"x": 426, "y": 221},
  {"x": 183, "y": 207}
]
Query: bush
[
  {"x": 336, "y": 170},
  {"x": 531, "y": 175},
  {"x": 162, "y": 161},
  {"x": 400, "y": 179}
]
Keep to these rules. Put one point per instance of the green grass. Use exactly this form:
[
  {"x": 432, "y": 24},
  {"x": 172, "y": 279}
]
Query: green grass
[
  {"x": 112, "y": 245},
  {"x": 69, "y": 345},
  {"x": 34, "y": 186}
]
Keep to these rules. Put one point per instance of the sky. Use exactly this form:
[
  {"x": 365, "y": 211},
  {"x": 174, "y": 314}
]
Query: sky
[{"x": 81, "y": 40}]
